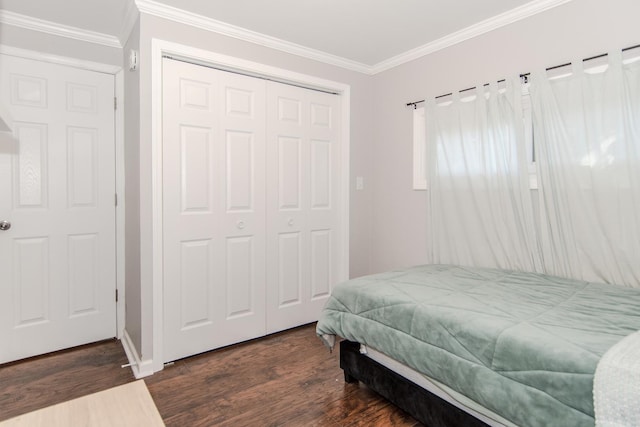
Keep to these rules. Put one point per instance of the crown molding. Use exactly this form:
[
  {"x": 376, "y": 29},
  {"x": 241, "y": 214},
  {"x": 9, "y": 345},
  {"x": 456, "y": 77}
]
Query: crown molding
[
  {"x": 151, "y": 7},
  {"x": 60, "y": 60},
  {"x": 35, "y": 24},
  {"x": 160, "y": 10},
  {"x": 529, "y": 9}
]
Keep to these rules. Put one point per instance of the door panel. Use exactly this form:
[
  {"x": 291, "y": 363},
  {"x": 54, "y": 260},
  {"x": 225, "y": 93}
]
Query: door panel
[
  {"x": 303, "y": 146},
  {"x": 289, "y": 173},
  {"x": 84, "y": 283},
  {"x": 241, "y": 281},
  {"x": 213, "y": 213},
  {"x": 196, "y": 154},
  {"x": 290, "y": 269},
  {"x": 240, "y": 192},
  {"x": 57, "y": 186},
  {"x": 31, "y": 281},
  {"x": 30, "y": 166},
  {"x": 321, "y": 171},
  {"x": 197, "y": 305},
  {"x": 321, "y": 264}
]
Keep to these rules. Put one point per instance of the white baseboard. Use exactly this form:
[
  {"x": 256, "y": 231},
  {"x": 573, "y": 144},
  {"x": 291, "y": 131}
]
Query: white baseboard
[{"x": 140, "y": 368}]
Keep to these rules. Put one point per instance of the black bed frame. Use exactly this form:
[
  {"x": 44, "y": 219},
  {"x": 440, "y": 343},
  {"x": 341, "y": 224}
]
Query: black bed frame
[{"x": 424, "y": 406}]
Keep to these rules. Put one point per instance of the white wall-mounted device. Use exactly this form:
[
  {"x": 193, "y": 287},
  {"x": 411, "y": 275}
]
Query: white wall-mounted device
[{"x": 133, "y": 60}]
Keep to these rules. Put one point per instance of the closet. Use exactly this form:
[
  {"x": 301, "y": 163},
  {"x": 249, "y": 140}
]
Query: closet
[{"x": 251, "y": 206}]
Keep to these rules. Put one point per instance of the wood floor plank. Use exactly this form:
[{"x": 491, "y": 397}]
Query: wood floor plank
[
  {"x": 57, "y": 377},
  {"x": 285, "y": 379}
]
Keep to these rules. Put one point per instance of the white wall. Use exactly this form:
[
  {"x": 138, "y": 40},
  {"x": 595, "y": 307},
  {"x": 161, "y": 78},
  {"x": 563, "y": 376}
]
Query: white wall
[
  {"x": 578, "y": 29},
  {"x": 361, "y": 137}
]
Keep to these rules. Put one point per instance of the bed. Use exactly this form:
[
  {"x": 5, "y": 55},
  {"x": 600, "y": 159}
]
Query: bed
[{"x": 474, "y": 346}]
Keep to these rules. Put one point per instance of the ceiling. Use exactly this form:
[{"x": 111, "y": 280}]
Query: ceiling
[{"x": 364, "y": 32}]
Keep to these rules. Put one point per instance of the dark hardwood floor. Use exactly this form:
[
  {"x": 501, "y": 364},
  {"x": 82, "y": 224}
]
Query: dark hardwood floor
[
  {"x": 285, "y": 379},
  {"x": 53, "y": 378}
]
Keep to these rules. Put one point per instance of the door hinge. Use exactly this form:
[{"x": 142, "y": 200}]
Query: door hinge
[
  {"x": 116, "y": 295},
  {"x": 115, "y": 103}
]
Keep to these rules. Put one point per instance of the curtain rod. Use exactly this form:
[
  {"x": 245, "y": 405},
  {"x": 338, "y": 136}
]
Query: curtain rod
[{"x": 524, "y": 76}]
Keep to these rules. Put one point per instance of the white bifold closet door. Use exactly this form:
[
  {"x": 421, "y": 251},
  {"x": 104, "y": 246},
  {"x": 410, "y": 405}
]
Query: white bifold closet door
[
  {"x": 249, "y": 206},
  {"x": 214, "y": 208},
  {"x": 303, "y": 189}
]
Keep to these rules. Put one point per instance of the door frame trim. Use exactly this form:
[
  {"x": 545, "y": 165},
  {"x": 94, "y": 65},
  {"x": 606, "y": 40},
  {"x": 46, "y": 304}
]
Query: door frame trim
[
  {"x": 117, "y": 72},
  {"x": 160, "y": 48}
]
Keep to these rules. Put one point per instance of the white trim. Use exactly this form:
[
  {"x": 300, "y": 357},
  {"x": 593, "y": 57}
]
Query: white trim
[
  {"x": 509, "y": 17},
  {"x": 157, "y": 244},
  {"x": 154, "y": 8},
  {"x": 120, "y": 207},
  {"x": 140, "y": 368},
  {"x": 160, "y": 10},
  {"x": 60, "y": 60},
  {"x": 162, "y": 47},
  {"x": 48, "y": 27},
  {"x": 231, "y": 63},
  {"x": 345, "y": 138}
]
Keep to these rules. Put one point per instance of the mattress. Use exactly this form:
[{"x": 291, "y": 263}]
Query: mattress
[{"x": 524, "y": 346}]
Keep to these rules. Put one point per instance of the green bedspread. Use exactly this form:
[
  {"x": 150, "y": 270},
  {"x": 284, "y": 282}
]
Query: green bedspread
[{"x": 523, "y": 345}]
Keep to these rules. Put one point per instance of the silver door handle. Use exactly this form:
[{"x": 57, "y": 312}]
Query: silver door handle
[{"x": 5, "y": 225}]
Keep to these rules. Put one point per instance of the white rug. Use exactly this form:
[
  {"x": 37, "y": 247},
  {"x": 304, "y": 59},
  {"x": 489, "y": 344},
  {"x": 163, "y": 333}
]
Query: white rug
[{"x": 128, "y": 405}]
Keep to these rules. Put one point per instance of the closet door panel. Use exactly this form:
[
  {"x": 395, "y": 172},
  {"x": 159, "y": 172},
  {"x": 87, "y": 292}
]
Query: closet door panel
[
  {"x": 241, "y": 281},
  {"x": 289, "y": 173},
  {"x": 289, "y": 269},
  {"x": 190, "y": 181},
  {"x": 196, "y": 157},
  {"x": 321, "y": 178},
  {"x": 240, "y": 190},
  {"x": 324, "y": 209},
  {"x": 197, "y": 305},
  {"x": 321, "y": 264},
  {"x": 242, "y": 124},
  {"x": 302, "y": 200},
  {"x": 213, "y": 208}
]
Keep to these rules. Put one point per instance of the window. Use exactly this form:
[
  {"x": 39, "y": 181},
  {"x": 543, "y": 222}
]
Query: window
[{"x": 420, "y": 143}]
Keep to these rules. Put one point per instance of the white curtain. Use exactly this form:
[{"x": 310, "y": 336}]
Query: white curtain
[
  {"x": 480, "y": 203},
  {"x": 587, "y": 140}
]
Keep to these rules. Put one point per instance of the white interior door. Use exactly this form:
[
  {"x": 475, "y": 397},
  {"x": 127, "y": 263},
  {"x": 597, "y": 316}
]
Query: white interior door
[
  {"x": 303, "y": 203},
  {"x": 213, "y": 208},
  {"x": 57, "y": 187}
]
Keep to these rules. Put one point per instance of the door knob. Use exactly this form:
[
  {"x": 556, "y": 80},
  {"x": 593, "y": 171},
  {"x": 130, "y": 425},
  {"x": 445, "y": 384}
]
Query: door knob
[{"x": 5, "y": 225}]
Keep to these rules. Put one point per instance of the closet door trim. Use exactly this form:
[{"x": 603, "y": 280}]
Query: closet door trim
[{"x": 152, "y": 325}]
